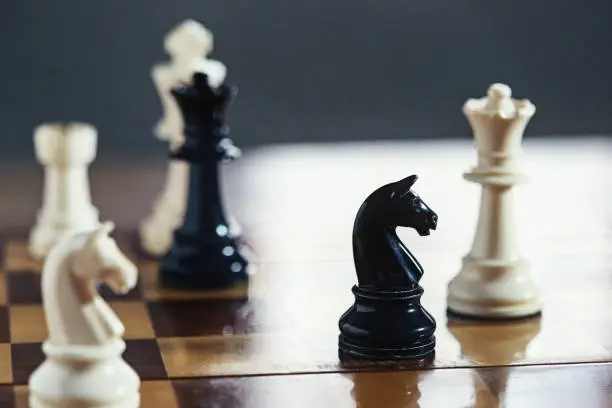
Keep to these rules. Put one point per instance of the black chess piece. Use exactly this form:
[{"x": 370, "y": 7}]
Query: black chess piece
[
  {"x": 387, "y": 321},
  {"x": 204, "y": 255}
]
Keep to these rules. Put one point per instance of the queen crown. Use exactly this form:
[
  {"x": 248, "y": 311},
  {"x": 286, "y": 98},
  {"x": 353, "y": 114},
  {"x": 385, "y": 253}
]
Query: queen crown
[
  {"x": 498, "y": 122},
  {"x": 202, "y": 105}
]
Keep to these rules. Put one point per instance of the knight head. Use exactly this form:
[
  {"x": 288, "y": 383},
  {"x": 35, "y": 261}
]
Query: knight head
[
  {"x": 404, "y": 208},
  {"x": 101, "y": 260}
]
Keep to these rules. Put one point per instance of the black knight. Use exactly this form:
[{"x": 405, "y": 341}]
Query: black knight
[{"x": 387, "y": 321}]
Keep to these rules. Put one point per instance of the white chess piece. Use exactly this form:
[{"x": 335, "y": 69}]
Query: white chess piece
[
  {"x": 188, "y": 46},
  {"x": 84, "y": 367},
  {"x": 66, "y": 151},
  {"x": 495, "y": 280}
]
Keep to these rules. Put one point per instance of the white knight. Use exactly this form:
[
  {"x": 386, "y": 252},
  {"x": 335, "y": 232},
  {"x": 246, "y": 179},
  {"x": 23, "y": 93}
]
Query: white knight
[{"x": 84, "y": 365}]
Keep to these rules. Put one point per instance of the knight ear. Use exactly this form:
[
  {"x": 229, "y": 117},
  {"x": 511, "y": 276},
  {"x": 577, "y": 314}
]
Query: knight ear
[
  {"x": 106, "y": 228},
  {"x": 103, "y": 230},
  {"x": 405, "y": 184}
]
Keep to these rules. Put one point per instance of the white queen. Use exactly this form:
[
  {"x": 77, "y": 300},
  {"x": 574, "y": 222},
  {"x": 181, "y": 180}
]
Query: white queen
[{"x": 495, "y": 280}]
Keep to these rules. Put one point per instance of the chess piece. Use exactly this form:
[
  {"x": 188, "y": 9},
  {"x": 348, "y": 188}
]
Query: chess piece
[
  {"x": 188, "y": 45},
  {"x": 66, "y": 151},
  {"x": 204, "y": 255},
  {"x": 387, "y": 321},
  {"x": 495, "y": 280},
  {"x": 498, "y": 347},
  {"x": 83, "y": 365}
]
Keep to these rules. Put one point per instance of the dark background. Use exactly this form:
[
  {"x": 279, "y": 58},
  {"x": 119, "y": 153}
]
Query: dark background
[{"x": 309, "y": 70}]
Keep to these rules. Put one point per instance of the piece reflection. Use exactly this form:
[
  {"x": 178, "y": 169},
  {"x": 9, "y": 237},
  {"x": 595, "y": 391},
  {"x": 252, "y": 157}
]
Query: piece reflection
[
  {"x": 496, "y": 344},
  {"x": 389, "y": 389}
]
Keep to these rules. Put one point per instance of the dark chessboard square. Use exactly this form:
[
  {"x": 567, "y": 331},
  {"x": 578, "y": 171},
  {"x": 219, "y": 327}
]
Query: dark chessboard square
[
  {"x": 5, "y": 331},
  {"x": 26, "y": 357},
  {"x": 201, "y": 393},
  {"x": 143, "y": 355},
  {"x": 24, "y": 287},
  {"x": 204, "y": 317},
  {"x": 7, "y": 397}
]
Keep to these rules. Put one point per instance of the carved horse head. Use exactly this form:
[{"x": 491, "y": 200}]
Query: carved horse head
[
  {"x": 100, "y": 260},
  {"x": 396, "y": 205}
]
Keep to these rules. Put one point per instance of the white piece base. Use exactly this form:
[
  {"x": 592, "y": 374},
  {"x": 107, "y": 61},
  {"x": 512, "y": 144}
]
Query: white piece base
[
  {"x": 35, "y": 402},
  {"x": 84, "y": 377},
  {"x": 157, "y": 232},
  {"x": 494, "y": 289}
]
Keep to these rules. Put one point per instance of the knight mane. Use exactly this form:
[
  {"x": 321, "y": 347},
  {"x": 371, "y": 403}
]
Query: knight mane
[{"x": 65, "y": 246}]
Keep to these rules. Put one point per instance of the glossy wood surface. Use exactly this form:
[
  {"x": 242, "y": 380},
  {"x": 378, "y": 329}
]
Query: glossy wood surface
[{"x": 297, "y": 205}]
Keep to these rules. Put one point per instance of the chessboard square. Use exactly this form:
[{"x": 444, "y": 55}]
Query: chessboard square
[
  {"x": 253, "y": 354},
  {"x": 21, "y": 395},
  {"x": 135, "y": 318},
  {"x": 25, "y": 357},
  {"x": 152, "y": 290},
  {"x": 144, "y": 356},
  {"x": 24, "y": 288},
  {"x": 5, "y": 335},
  {"x": 289, "y": 391},
  {"x": 17, "y": 258},
  {"x": 6, "y": 373},
  {"x": 160, "y": 394},
  {"x": 27, "y": 323},
  {"x": 152, "y": 394},
  {"x": 3, "y": 294},
  {"x": 7, "y": 397},
  {"x": 210, "y": 317}
]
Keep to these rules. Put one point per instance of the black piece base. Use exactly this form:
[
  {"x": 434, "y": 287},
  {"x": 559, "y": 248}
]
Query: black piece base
[
  {"x": 193, "y": 265},
  {"x": 351, "y": 351},
  {"x": 386, "y": 325},
  {"x": 451, "y": 314},
  {"x": 177, "y": 278}
]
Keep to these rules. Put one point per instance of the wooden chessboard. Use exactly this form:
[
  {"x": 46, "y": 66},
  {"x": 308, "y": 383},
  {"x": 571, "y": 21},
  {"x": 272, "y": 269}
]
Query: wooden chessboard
[{"x": 274, "y": 344}]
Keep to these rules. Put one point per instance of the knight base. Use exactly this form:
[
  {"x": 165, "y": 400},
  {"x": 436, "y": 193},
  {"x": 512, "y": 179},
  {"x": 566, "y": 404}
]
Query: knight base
[
  {"x": 386, "y": 325},
  {"x": 84, "y": 376},
  {"x": 195, "y": 264}
]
